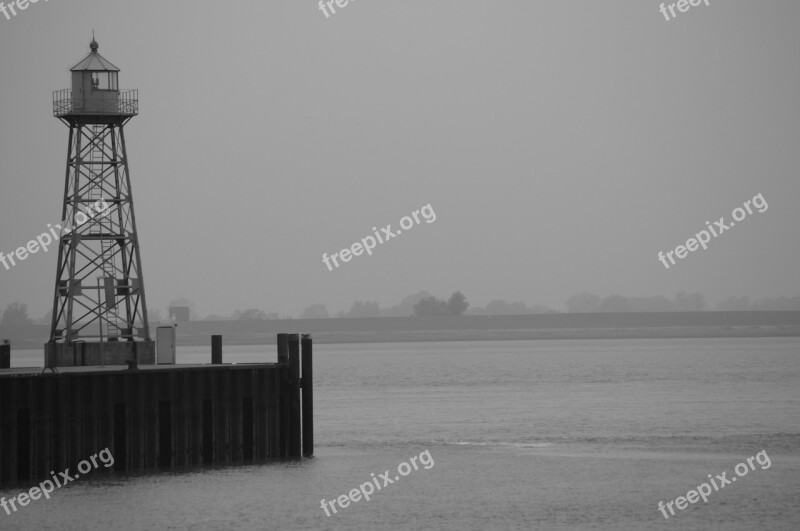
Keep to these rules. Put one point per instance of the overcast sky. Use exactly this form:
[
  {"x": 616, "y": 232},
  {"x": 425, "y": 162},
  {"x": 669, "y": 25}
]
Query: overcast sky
[{"x": 561, "y": 144}]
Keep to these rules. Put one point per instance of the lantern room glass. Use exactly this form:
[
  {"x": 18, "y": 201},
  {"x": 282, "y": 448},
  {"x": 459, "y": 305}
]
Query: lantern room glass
[{"x": 104, "y": 80}]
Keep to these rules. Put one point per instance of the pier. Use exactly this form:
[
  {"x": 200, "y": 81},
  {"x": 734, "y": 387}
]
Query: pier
[{"x": 157, "y": 416}]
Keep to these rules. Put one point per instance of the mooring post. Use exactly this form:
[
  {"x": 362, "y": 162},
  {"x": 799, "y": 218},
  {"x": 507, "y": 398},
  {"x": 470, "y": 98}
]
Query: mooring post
[
  {"x": 216, "y": 350},
  {"x": 295, "y": 426},
  {"x": 283, "y": 348},
  {"x": 5, "y": 355},
  {"x": 308, "y": 397}
]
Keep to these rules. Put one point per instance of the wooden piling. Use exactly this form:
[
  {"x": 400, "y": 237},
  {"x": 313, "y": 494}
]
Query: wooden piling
[
  {"x": 308, "y": 397},
  {"x": 293, "y": 416},
  {"x": 283, "y": 348},
  {"x": 5, "y": 356},
  {"x": 216, "y": 350}
]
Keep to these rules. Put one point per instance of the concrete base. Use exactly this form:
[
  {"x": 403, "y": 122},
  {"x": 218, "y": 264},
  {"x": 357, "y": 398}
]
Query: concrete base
[{"x": 115, "y": 353}]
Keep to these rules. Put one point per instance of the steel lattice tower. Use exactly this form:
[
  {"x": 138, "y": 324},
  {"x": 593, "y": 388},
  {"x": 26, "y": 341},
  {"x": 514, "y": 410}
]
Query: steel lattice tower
[{"x": 99, "y": 306}]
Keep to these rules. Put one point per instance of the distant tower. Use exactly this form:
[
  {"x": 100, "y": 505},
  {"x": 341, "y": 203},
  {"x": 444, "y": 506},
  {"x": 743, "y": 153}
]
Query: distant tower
[{"x": 99, "y": 310}]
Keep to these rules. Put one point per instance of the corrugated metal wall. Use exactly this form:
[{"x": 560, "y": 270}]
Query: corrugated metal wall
[{"x": 165, "y": 417}]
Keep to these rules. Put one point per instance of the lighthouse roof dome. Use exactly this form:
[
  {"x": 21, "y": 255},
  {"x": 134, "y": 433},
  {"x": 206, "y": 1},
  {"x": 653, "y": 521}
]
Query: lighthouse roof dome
[{"x": 94, "y": 61}]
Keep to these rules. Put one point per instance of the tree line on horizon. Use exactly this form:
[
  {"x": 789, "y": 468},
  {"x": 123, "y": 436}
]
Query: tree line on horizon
[{"x": 423, "y": 304}]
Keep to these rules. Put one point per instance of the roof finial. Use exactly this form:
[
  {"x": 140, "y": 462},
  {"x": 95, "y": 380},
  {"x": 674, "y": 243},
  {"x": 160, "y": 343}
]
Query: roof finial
[{"x": 93, "y": 45}]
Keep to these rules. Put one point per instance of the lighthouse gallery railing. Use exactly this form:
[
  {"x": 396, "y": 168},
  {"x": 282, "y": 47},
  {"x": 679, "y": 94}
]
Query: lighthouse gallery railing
[{"x": 124, "y": 102}]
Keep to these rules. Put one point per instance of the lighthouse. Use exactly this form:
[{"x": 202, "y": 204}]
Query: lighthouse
[{"x": 99, "y": 305}]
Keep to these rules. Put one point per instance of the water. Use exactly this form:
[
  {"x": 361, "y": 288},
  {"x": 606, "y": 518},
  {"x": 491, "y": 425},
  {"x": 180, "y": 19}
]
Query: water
[{"x": 523, "y": 435}]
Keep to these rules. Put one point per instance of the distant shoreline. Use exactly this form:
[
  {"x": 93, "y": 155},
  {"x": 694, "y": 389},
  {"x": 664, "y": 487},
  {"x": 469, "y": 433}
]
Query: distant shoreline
[
  {"x": 502, "y": 327},
  {"x": 506, "y": 335},
  {"x": 471, "y": 328}
]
